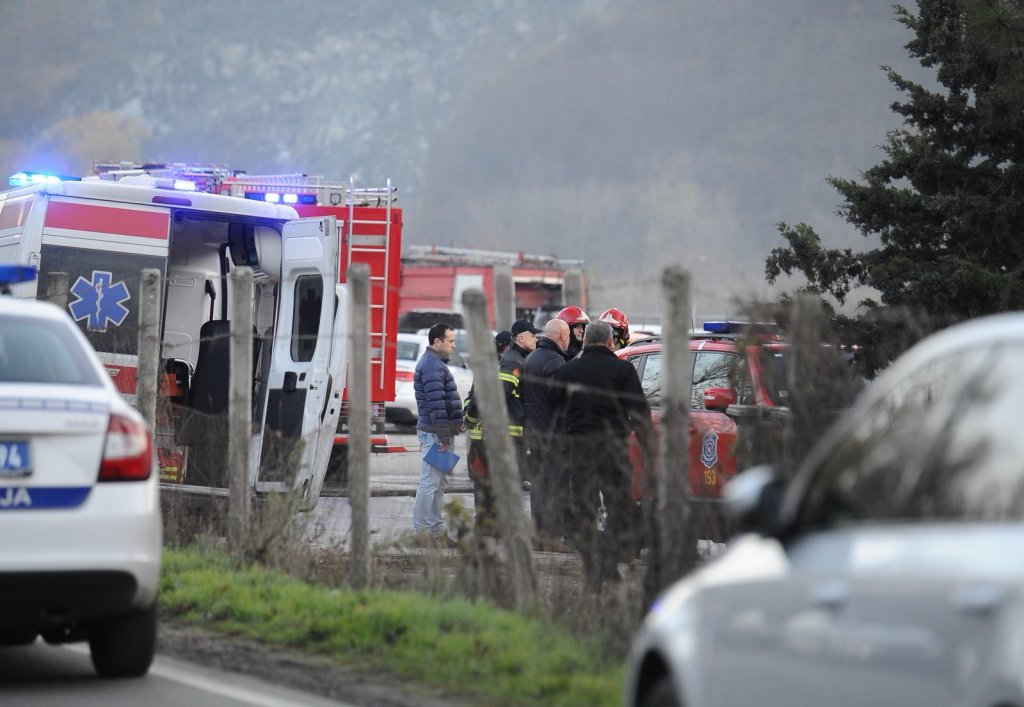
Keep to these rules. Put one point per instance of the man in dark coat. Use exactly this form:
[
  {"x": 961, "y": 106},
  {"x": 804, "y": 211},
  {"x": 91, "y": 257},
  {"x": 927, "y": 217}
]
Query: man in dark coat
[
  {"x": 549, "y": 490},
  {"x": 439, "y": 421},
  {"x": 524, "y": 341},
  {"x": 603, "y": 403}
]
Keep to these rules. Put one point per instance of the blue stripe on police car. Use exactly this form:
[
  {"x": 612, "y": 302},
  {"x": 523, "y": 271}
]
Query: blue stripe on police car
[{"x": 24, "y": 498}]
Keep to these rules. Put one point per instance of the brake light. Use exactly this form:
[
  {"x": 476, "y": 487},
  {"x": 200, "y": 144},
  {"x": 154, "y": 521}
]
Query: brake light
[
  {"x": 405, "y": 375},
  {"x": 127, "y": 451}
]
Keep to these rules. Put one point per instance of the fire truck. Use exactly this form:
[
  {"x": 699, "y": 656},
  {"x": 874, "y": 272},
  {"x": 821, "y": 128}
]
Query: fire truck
[
  {"x": 536, "y": 286},
  {"x": 195, "y": 225}
]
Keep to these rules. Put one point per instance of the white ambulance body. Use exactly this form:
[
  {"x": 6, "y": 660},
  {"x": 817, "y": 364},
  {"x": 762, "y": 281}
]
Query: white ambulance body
[{"x": 102, "y": 234}]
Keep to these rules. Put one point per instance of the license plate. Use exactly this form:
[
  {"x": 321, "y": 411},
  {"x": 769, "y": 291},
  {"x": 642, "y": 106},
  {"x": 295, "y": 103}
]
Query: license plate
[{"x": 14, "y": 459}]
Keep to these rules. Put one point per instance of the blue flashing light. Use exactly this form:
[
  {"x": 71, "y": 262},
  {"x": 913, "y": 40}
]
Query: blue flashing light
[
  {"x": 254, "y": 195},
  {"x": 725, "y": 327},
  {"x": 307, "y": 199},
  {"x": 290, "y": 198},
  {"x": 10, "y": 274},
  {"x": 272, "y": 197},
  {"x": 26, "y": 178}
]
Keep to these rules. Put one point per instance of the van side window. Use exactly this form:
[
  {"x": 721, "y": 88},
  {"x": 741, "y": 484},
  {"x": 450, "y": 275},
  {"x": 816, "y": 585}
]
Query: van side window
[{"x": 309, "y": 291}]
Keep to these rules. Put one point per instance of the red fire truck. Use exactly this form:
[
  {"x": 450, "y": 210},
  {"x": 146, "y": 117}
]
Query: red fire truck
[{"x": 434, "y": 278}]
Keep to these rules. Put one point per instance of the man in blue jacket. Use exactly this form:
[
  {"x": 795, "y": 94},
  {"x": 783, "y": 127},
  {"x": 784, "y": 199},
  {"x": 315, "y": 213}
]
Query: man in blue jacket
[{"x": 439, "y": 420}]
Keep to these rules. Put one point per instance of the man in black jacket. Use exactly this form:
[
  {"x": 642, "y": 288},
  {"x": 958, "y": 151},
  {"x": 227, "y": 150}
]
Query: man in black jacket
[
  {"x": 524, "y": 341},
  {"x": 549, "y": 492},
  {"x": 603, "y": 403}
]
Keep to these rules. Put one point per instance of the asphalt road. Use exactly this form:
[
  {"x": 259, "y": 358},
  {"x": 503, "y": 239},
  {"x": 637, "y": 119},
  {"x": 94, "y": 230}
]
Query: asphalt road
[
  {"x": 393, "y": 481},
  {"x": 42, "y": 675}
]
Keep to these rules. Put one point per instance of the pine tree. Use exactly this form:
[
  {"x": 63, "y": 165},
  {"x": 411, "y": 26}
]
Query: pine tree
[{"x": 947, "y": 202}]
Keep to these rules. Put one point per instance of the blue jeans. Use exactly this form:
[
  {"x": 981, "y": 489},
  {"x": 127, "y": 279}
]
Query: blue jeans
[{"x": 427, "y": 508}]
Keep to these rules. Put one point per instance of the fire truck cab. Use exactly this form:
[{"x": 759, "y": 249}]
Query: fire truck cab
[{"x": 90, "y": 238}]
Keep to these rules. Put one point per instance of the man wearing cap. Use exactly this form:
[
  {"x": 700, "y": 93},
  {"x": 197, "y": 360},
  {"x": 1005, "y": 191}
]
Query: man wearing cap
[
  {"x": 502, "y": 340},
  {"x": 524, "y": 340}
]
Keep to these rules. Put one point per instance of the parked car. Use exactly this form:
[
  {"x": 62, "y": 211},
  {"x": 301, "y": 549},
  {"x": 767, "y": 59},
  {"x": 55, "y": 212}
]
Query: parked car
[
  {"x": 416, "y": 319},
  {"x": 888, "y": 571},
  {"x": 731, "y": 371},
  {"x": 80, "y": 527},
  {"x": 402, "y": 410}
]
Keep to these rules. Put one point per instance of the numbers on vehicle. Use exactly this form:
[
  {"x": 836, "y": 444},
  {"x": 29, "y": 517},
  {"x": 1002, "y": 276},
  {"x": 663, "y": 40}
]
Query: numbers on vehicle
[{"x": 710, "y": 477}]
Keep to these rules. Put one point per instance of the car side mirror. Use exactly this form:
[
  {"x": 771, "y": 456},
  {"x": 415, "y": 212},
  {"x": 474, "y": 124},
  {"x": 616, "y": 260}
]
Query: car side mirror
[
  {"x": 719, "y": 398},
  {"x": 753, "y": 499}
]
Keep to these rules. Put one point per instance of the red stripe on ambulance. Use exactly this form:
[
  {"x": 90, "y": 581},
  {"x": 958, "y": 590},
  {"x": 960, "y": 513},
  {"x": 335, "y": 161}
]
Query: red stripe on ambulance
[{"x": 106, "y": 219}]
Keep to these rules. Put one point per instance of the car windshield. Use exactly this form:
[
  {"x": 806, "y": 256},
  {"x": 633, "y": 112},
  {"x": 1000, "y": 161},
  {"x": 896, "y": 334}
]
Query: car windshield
[
  {"x": 775, "y": 374},
  {"x": 43, "y": 351},
  {"x": 408, "y": 350}
]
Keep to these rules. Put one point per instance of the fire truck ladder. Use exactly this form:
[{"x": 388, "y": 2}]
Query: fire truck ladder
[{"x": 363, "y": 243}]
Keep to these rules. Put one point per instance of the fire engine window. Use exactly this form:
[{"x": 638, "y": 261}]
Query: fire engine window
[
  {"x": 710, "y": 370},
  {"x": 309, "y": 291},
  {"x": 650, "y": 380}
]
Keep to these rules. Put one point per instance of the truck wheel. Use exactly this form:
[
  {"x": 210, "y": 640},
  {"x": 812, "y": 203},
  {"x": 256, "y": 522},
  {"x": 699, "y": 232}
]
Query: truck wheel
[{"x": 123, "y": 646}]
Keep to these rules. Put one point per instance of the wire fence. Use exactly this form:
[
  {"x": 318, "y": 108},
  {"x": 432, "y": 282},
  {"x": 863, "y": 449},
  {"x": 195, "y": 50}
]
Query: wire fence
[{"x": 587, "y": 506}]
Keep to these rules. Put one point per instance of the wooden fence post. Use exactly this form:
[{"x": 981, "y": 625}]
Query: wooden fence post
[
  {"x": 240, "y": 409},
  {"x": 501, "y": 457},
  {"x": 57, "y": 289},
  {"x": 147, "y": 374},
  {"x": 674, "y": 532},
  {"x": 359, "y": 425}
]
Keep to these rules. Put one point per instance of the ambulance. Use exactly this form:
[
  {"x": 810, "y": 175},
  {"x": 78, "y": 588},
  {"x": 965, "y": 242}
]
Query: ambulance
[{"x": 90, "y": 238}]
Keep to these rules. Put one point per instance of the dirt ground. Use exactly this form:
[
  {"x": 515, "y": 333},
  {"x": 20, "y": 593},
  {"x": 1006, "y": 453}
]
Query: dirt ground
[{"x": 314, "y": 674}]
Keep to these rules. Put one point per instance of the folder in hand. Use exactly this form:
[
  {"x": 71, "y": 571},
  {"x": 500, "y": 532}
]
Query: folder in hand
[{"x": 442, "y": 461}]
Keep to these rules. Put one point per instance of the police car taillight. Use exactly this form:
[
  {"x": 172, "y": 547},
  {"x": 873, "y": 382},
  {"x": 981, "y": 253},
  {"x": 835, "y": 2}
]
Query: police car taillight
[{"x": 127, "y": 453}]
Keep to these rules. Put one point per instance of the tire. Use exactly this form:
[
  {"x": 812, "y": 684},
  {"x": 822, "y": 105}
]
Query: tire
[
  {"x": 123, "y": 646},
  {"x": 661, "y": 693}
]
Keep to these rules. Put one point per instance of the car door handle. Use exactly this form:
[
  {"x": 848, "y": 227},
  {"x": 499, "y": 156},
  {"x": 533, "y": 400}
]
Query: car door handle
[
  {"x": 830, "y": 594},
  {"x": 978, "y": 599}
]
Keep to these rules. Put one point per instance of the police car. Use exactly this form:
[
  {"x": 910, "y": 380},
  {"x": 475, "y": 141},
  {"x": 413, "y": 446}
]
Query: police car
[{"x": 80, "y": 526}]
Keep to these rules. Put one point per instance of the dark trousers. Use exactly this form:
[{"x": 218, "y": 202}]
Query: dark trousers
[
  {"x": 549, "y": 484},
  {"x": 486, "y": 517},
  {"x": 599, "y": 466}
]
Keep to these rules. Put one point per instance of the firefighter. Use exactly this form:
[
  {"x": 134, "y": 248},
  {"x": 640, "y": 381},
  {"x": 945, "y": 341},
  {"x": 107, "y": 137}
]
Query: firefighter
[
  {"x": 524, "y": 341},
  {"x": 502, "y": 340},
  {"x": 485, "y": 518},
  {"x": 619, "y": 322},
  {"x": 577, "y": 320}
]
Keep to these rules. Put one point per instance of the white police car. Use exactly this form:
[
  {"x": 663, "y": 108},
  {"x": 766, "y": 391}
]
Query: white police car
[{"x": 80, "y": 526}]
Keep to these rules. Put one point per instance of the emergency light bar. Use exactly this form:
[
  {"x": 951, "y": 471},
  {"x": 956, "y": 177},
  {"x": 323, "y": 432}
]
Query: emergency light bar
[
  {"x": 273, "y": 197},
  {"x": 725, "y": 327},
  {"x": 10, "y": 274},
  {"x": 26, "y": 178},
  {"x": 734, "y": 327}
]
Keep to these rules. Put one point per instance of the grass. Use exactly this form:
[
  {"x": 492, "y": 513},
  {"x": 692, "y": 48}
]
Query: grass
[{"x": 465, "y": 646}]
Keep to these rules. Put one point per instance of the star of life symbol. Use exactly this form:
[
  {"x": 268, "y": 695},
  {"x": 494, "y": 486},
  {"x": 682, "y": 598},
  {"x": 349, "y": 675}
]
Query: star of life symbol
[
  {"x": 99, "y": 301},
  {"x": 709, "y": 449}
]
